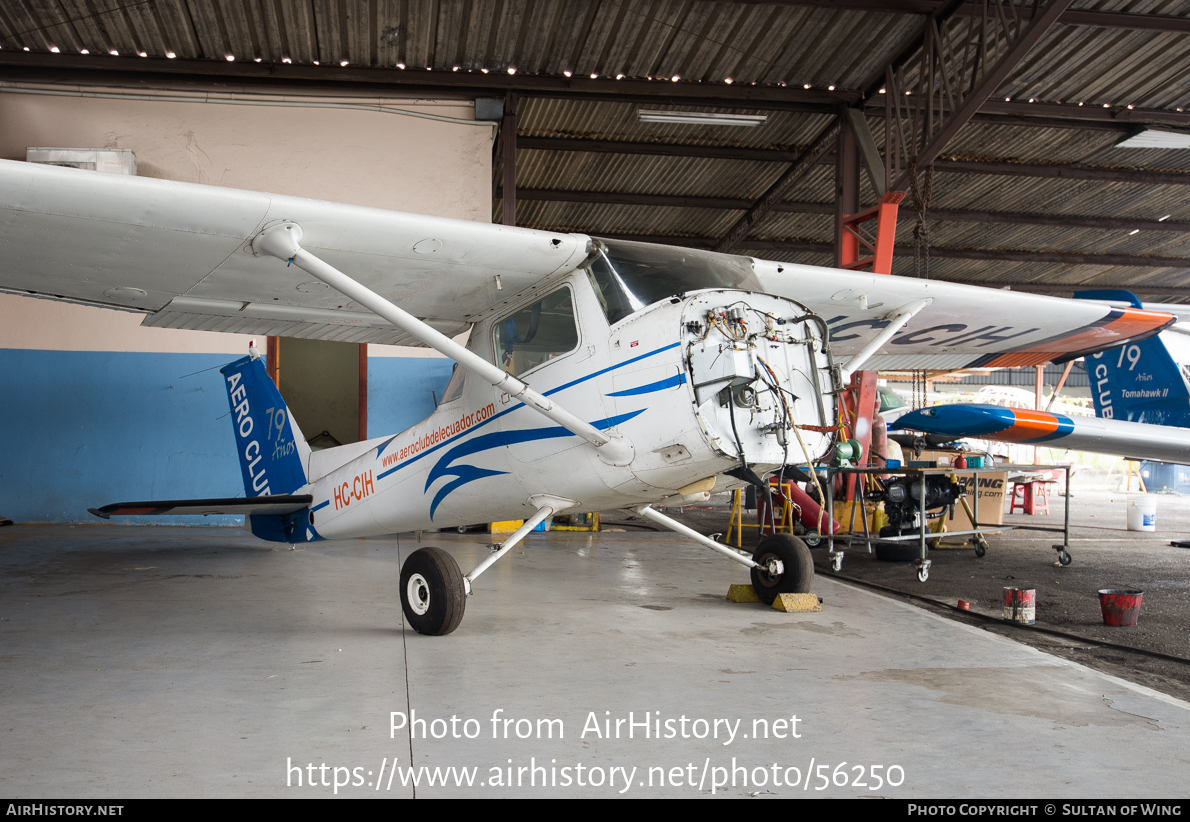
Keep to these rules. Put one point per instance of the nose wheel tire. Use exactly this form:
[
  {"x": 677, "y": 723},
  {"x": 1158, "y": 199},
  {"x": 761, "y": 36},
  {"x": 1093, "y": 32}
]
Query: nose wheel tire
[
  {"x": 798, "y": 565},
  {"x": 432, "y": 593}
]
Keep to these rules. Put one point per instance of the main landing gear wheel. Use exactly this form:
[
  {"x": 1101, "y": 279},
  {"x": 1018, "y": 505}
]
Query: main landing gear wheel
[
  {"x": 798, "y": 567},
  {"x": 432, "y": 593}
]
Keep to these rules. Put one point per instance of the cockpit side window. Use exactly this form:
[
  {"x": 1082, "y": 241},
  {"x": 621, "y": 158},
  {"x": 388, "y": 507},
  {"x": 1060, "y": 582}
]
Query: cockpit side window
[
  {"x": 454, "y": 388},
  {"x": 613, "y": 296},
  {"x": 537, "y": 333}
]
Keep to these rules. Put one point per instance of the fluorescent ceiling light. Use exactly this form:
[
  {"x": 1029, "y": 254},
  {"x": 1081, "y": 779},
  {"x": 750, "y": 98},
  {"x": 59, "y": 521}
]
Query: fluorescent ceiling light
[
  {"x": 701, "y": 118},
  {"x": 1156, "y": 139}
]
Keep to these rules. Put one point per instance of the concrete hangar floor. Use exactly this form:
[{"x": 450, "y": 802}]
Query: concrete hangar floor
[{"x": 201, "y": 662}]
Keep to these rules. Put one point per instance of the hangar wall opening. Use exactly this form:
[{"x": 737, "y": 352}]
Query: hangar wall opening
[{"x": 325, "y": 386}]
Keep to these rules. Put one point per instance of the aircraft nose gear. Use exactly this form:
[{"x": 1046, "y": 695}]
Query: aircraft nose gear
[
  {"x": 432, "y": 594},
  {"x": 793, "y": 558}
]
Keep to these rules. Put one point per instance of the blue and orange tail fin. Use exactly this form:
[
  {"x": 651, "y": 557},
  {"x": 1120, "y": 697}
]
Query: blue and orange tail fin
[
  {"x": 1138, "y": 382},
  {"x": 273, "y": 454}
]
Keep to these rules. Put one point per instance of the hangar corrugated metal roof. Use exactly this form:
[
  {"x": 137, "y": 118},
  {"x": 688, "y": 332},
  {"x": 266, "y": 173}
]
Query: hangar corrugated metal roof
[{"x": 1121, "y": 61}]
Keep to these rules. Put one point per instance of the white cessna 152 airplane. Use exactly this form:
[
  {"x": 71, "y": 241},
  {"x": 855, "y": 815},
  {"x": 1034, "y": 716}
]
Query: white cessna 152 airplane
[{"x": 598, "y": 374}]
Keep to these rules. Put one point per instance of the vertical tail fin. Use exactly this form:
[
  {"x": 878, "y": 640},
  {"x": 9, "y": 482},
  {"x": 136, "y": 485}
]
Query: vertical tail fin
[
  {"x": 1138, "y": 382},
  {"x": 273, "y": 454}
]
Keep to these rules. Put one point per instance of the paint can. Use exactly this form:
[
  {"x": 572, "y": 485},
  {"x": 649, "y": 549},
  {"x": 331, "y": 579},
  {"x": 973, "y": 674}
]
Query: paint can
[
  {"x": 1020, "y": 605},
  {"x": 1120, "y": 606},
  {"x": 1142, "y": 512}
]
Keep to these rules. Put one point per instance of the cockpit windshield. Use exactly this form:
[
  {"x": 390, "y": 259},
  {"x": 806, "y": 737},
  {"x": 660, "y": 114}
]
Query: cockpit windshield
[{"x": 629, "y": 276}]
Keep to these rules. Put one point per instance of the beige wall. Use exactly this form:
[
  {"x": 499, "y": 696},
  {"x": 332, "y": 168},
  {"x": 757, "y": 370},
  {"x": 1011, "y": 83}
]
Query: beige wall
[{"x": 362, "y": 157}]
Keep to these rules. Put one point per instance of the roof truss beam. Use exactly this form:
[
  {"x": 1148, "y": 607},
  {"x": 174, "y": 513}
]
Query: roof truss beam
[
  {"x": 943, "y": 214},
  {"x": 959, "y": 66},
  {"x": 1070, "y": 17},
  {"x": 267, "y": 78},
  {"x": 1045, "y": 170},
  {"x": 462, "y": 82}
]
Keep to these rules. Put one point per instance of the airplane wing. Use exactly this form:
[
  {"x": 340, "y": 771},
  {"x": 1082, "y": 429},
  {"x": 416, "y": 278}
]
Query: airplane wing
[
  {"x": 963, "y": 326},
  {"x": 181, "y": 253},
  {"x": 279, "y": 504},
  {"x": 1135, "y": 440}
]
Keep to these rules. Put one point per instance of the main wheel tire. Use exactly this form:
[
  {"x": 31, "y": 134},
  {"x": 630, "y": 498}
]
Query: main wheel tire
[
  {"x": 798, "y": 573},
  {"x": 432, "y": 593}
]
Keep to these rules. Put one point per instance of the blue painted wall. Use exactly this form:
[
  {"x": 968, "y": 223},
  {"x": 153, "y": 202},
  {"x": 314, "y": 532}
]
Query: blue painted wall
[
  {"x": 81, "y": 429},
  {"x": 399, "y": 391}
]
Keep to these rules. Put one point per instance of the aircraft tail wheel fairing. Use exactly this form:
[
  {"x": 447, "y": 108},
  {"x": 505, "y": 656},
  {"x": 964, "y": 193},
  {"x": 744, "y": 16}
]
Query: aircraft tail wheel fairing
[
  {"x": 797, "y": 572},
  {"x": 432, "y": 593}
]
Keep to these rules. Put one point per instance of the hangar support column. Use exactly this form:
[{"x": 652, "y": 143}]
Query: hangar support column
[{"x": 508, "y": 158}]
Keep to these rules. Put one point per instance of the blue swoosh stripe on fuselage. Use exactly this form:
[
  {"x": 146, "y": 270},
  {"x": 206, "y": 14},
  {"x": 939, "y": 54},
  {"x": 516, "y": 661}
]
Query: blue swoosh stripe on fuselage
[
  {"x": 497, "y": 439},
  {"x": 660, "y": 385},
  {"x": 611, "y": 368},
  {"x": 551, "y": 392}
]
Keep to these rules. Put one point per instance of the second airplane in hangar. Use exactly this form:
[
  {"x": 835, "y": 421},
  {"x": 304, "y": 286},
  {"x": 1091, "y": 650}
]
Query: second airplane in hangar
[{"x": 1140, "y": 392}]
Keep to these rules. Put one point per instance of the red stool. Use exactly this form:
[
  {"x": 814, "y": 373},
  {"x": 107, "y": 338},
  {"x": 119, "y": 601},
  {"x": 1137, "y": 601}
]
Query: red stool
[{"x": 1031, "y": 497}]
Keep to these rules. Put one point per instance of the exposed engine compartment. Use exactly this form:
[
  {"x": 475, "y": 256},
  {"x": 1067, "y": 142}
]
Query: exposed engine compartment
[{"x": 903, "y": 501}]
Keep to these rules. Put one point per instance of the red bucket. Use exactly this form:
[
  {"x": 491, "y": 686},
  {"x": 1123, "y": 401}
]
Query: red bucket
[{"x": 1120, "y": 606}]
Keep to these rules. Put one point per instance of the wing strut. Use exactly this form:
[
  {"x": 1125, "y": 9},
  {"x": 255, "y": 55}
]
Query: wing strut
[
  {"x": 648, "y": 512},
  {"x": 283, "y": 242},
  {"x": 899, "y": 317}
]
